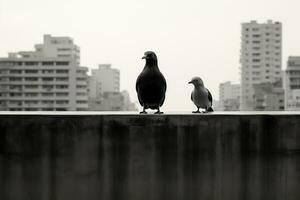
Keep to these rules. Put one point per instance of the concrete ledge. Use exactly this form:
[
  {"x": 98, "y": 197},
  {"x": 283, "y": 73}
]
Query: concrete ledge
[{"x": 86, "y": 155}]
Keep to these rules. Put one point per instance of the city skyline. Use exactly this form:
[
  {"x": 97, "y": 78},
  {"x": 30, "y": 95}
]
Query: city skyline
[{"x": 207, "y": 43}]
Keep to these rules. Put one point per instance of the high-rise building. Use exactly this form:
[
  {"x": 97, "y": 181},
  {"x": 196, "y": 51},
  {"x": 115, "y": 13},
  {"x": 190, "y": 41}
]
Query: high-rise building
[
  {"x": 32, "y": 81},
  {"x": 55, "y": 47},
  {"x": 229, "y": 96},
  {"x": 260, "y": 59},
  {"x": 292, "y": 84},
  {"x": 104, "y": 90},
  {"x": 104, "y": 79}
]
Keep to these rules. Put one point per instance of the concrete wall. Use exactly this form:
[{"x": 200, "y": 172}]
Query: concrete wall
[{"x": 113, "y": 157}]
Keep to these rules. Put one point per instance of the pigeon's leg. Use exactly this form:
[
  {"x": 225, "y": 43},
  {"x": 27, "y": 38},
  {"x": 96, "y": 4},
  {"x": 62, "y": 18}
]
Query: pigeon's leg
[
  {"x": 197, "y": 111},
  {"x": 144, "y": 111},
  {"x": 206, "y": 110},
  {"x": 158, "y": 111}
]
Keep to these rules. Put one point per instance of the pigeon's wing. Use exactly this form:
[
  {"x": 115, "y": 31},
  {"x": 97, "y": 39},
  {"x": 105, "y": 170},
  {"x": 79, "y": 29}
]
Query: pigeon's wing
[
  {"x": 164, "y": 82},
  {"x": 209, "y": 97},
  {"x": 164, "y": 89},
  {"x": 138, "y": 82}
]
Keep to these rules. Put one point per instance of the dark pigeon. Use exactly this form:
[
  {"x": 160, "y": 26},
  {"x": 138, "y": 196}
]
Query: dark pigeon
[
  {"x": 151, "y": 85},
  {"x": 201, "y": 96}
]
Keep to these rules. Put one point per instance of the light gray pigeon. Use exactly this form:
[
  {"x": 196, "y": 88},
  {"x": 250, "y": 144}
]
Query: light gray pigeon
[{"x": 201, "y": 95}]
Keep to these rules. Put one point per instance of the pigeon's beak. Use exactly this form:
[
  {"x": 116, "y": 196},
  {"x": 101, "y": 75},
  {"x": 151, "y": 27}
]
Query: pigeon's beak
[
  {"x": 144, "y": 57},
  {"x": 190, "y": 82}
]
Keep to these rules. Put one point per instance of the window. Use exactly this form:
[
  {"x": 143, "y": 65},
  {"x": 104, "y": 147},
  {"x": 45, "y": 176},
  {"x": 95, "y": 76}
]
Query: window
[
  {"x": 15, "y": 78},
  {"x": 13, "y": 87},
  {"x": 47, "y": 63},
  {"x": 62, "y": 63},
  {"x": 13, "y": 94},
  {"x": 62, "y": 71},
  {"x": 81, "y": 94},
  {"x": 47, "y": 79},
  {"x": 28, "y": 71},
  {"x": 47, "y": 94},
  {"x": 81, "y": 102},
  {"x": 256, "y": 54},
  {"x": 62, "y": 79},
  {"x": 15, "y": 71},
  {"x": 63, "y": 49},
  {"x": 60, "y": 109},
  {"x": 31, "y": 63},
  {"x": 31, "y": 102},
  {"x": 31, "y": 94},
  {"x": 47, "y": 71},
  {"x": 31, "y": 79},
  {"x": 63, "y": 55},
  {"x": 62, "y": 94},
  {"x": 31, "y": 86},
  {"x": 47, "y": 102},
  {"x": 48, "y": 87},
  {"x": 80, "y": 86},
  {"x": 62, "y": 86},
  {"x": 47, "y": 109},
  {"x": 62, "y": 102}
]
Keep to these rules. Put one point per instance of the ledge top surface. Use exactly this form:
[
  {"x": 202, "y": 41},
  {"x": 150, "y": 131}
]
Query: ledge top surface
[{"x": 136, "y": 113}]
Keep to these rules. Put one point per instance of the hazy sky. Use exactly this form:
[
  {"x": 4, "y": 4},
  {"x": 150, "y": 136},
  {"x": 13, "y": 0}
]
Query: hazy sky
[{"x": 190, "y": 37}]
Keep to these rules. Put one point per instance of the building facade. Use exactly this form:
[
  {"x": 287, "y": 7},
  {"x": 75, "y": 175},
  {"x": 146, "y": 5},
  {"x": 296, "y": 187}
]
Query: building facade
[
  {"x": 269, "y": 97},
  {"x": 104, "y": 79},
  {"x": 261, "y": 51},
  {"x": 55, "y": 47},
  {"x": 104, "y": 90},
  {"x": 42, "y": 81},
  {"x": 229, "y": 95},
  {"x": 292, "y": 84}
]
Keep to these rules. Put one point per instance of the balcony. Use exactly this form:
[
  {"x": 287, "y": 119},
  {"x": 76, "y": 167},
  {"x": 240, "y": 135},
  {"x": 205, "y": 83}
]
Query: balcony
[{"x": 100, "y": 155}]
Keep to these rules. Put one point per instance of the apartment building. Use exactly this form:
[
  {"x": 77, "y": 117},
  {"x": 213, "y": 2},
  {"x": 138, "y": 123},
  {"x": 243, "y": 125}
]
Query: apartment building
[
  {"x": 42, "y": 81},
  {"x": 292, "y": 84},
  {"x": 54, "y": 47},
  {"x": 261, "y": 50},
  {"x": 229, "y": 95},
  {"x": 104, "y": 79}
]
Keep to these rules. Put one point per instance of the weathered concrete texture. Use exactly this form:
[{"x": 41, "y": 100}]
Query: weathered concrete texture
[{"x": 134, "y": 157}]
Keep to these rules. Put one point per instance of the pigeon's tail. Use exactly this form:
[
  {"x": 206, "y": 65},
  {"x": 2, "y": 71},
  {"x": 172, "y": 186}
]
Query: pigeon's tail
[{"x": 210, "y": 109}]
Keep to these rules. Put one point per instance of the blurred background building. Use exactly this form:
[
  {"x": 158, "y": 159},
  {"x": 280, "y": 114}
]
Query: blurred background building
[
  {"x": 229, "y": 96},
  {"x": 292, "y": 84},
  {"x": 269, "y": 96},
  {"x": 261, "y": 50},
  {"x": 104, "y": 90},
  {"x": 48, "y": 78}
]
